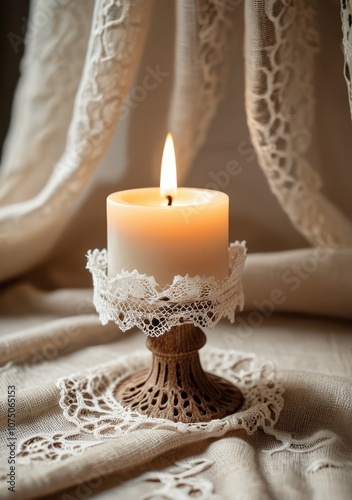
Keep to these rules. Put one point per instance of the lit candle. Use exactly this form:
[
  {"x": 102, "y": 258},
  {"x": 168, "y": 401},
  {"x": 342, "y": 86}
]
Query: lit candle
[{"x": 168, "y": 231}]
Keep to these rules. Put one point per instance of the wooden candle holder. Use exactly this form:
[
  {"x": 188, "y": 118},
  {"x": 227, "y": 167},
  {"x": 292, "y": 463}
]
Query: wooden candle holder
[{"x": 176, "y": 387}]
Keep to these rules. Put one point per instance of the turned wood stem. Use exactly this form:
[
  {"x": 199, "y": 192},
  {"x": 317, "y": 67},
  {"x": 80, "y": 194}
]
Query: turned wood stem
[
  {"x": 181, "y": 339},
  {"x": 176, "y": 387}
]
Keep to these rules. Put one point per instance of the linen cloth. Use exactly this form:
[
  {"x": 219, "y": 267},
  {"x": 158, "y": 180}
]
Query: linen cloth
[{"x": 79, "y": 66}]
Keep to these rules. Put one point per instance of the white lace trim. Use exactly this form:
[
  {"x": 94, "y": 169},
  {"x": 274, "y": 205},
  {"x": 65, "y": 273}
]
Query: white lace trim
[
  {"x": 132, "y": 299},
  {"x": 281, "y": 43},
  {"x": 181, "y": 482},
  {"x": 317, "y": 440},
  {"x": 323, "y": 463},
  {"x": 48, "y": 447}
]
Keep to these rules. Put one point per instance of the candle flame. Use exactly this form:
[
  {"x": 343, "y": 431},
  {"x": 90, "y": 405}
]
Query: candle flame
[{"x": 168, "y": 175}]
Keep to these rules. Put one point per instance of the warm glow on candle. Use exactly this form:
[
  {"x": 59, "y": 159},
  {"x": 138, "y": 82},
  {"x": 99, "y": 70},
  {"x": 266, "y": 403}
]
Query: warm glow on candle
[
  {"x": 168, "y": 231},
  {"x": 168, "y": 176}
]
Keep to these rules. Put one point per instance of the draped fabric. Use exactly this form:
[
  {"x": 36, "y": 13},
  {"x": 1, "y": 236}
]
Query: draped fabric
[
  {"x": 112, "y": 55},
  {"x": 258, "y": 97}
]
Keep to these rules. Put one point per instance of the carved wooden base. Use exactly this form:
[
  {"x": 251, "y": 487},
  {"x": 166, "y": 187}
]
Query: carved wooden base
[{"x": 176, "y": 387}]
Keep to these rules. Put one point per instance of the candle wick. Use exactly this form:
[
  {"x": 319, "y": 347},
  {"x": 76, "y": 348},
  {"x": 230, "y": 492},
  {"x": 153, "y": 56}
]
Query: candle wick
[{"x": 169, "y": 200}]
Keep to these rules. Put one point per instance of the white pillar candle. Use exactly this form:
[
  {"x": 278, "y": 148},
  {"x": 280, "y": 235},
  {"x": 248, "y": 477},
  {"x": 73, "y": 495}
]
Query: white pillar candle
[{"x": 190, "y": 236}]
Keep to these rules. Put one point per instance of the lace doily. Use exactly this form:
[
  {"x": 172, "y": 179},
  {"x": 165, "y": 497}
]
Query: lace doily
[
  {"x": 132, "y": 299},
  {"x": 87, "y": 401}
]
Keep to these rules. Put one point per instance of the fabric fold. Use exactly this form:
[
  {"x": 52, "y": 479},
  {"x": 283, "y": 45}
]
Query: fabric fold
[
  {"x": 308, "y": 281},
  {"x": 115, "y": 45},
  {"x": 203, "y": 34}
]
